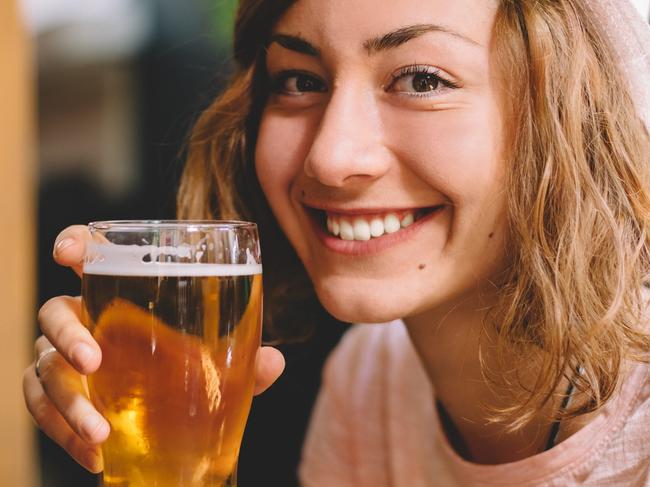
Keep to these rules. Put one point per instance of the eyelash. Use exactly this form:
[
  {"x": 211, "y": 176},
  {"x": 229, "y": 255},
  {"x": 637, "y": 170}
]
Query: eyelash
[{"x": 278, "y": 80}]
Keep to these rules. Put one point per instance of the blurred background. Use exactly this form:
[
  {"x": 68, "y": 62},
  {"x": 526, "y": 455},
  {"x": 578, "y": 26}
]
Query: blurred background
[{"x": 96, "y": 99}]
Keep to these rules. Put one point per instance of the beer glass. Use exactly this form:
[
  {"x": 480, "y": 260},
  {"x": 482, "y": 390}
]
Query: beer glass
[{"x": 176, "y": 308}]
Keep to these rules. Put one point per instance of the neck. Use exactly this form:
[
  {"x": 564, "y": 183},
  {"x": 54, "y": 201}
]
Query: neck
[{"x": 448, "y": 343}]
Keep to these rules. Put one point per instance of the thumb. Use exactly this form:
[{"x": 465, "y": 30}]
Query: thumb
[
  {"x": 70, "y": 247},
  {"x": 270, "y": 365}
]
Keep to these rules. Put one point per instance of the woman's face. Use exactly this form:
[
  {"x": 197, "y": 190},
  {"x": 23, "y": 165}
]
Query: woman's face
[{"x": 380, "y": 152}]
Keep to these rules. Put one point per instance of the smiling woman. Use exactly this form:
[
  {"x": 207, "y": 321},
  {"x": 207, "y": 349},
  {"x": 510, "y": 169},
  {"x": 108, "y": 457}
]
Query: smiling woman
[
  {"x": 477, "y": 170},
  {"x": 473, "y": 176}
]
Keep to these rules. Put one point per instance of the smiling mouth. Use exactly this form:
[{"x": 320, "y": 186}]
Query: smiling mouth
[{"x": 369, "y": 226}]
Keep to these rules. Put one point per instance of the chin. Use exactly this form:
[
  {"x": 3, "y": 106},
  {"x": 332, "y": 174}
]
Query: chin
[{"x": 366, "y": 305}]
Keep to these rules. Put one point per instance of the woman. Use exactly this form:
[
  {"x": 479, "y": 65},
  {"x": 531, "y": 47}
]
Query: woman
[{"x": 477, "y": 170}]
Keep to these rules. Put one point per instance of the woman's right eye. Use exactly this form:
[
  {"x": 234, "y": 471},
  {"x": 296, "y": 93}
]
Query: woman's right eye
[{"x": 296, "y": 83}]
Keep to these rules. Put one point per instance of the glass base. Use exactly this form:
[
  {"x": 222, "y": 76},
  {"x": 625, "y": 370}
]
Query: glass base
[{"x": 114, "y": 481}]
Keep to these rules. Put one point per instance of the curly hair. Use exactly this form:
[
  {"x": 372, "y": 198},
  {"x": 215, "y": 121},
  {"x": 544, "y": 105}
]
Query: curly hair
[{"x": 579, "y": 205}]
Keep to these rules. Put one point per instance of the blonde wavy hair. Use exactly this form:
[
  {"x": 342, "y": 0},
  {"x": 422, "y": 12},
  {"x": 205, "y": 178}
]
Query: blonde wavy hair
[{"x": 578, "y": 196}]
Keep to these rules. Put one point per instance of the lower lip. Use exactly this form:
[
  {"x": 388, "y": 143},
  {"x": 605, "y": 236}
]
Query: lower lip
[{"x": 374, "y": 245}]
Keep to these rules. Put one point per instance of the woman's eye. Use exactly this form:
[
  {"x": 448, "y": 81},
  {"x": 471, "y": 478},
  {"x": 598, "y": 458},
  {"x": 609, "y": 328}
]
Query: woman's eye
[
  {"x": 425, "y": 82},
  {"x": 419, "y": 81},
  {"x": 296, "y": 83}
]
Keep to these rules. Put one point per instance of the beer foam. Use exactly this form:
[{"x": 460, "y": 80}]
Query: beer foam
[
  {"x": 129, "y": 260},
  {"x": 166, "y": 269}
]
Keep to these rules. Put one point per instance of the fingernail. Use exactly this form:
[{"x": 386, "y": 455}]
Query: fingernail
[
  {"x": 93, "y": 428},
  {"x": 82, "y": 354},
  {"x": 63, "y": 244}
]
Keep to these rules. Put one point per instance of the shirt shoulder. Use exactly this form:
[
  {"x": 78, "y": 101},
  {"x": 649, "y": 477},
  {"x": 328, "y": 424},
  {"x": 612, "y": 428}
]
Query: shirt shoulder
[
  {"x": 626, "y": 460},
  {"x": 344, "y": 443}
]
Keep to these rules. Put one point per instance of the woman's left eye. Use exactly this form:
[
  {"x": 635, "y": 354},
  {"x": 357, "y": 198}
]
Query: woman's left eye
[{"x": 419, "y": 81}]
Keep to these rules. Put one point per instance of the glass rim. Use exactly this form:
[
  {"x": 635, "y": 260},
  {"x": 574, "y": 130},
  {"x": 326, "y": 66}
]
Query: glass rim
[{"x": 130, "y": 225}]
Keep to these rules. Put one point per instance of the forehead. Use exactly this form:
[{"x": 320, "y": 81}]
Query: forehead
[{"x": 350, "y": 23}]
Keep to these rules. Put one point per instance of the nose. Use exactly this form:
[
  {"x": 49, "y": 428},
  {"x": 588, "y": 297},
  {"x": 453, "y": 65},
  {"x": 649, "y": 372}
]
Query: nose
[{"x": 348, "y": 147}]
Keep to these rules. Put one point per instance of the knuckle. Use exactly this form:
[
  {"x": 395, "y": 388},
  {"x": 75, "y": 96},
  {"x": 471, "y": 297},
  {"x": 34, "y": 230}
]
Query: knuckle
[
  {"x": 69, "y": 443},
  {"x": 41, "y": 343},
  {"x": 50, "y": 367},
  {"x": 45, "y": 310},
  {"x": 40, "y": 407},
  {"x": 52, "y": 309},
  {"x": 76, "y": 412},
  {"x": 41, "y": 412},
  {"x": 67, "y": 337},
  {"x": 61, "y": 335}
]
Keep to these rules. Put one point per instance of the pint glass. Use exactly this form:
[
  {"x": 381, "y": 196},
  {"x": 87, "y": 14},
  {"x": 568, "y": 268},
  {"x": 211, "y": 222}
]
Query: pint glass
[{"x": 176, "y": 310}]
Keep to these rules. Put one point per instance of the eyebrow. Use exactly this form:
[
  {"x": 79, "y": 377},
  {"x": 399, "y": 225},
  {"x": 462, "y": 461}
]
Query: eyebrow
[
  {"x": 387, "y": 41},
  {"x": 399, "y": 36},
  {"x": 295, "y": 43}
]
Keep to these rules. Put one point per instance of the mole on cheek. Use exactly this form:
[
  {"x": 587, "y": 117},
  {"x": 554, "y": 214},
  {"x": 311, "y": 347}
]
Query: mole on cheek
[
  {"x": 421, "y": 266},
  {"x": 491, "y": 235}
]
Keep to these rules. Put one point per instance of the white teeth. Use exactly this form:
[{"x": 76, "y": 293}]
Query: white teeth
[
  {"x": 346, "y": 230},
  {"x": 407, "y": 220},
  {"x": 391, "y": 223},
  {"x": 377, "y": 227},
  {"x": 361, "y": 229}
]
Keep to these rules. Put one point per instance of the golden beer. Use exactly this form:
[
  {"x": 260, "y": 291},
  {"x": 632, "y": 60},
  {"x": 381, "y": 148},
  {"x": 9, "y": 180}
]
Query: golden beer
[{"x": 179, "y": 345}]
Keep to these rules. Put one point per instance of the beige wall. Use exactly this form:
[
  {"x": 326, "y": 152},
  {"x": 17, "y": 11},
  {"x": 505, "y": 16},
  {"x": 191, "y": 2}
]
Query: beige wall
[{"x": 17, "y": 177}]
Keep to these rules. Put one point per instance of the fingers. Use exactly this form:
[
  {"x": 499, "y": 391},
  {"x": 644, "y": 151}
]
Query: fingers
[
  {"x": 270, "y": 365},
  {"x": 54, "y": 424},
  {"x": 66, "y": 391},
  {"x": 58, "y": 400},
  {"x": 60, "y": 322},
  {"x": 70, "y": 247}
]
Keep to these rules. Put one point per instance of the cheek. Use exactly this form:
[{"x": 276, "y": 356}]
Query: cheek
[
  {"x": 457, "y": 151},
  {"x": 274, "y": 155},
  {"x": 282, "y": 145}
]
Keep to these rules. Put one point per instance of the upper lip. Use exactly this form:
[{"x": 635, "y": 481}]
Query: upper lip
[{"x": 365, "y": 210}]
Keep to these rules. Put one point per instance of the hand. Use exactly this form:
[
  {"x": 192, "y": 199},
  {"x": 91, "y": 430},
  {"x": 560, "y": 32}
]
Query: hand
[{"x": 58, "y": 401}]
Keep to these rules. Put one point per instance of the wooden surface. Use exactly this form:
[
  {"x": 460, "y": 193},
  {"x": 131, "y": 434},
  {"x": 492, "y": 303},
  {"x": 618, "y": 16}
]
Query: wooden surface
[{"x": 17, "y": 217}]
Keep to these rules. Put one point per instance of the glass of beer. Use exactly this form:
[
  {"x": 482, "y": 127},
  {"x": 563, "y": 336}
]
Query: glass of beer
[{"x": 176, "y": 307}]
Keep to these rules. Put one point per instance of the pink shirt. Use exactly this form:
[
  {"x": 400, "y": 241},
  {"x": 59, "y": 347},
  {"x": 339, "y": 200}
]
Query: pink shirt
[{"x": 375, "y": 424}]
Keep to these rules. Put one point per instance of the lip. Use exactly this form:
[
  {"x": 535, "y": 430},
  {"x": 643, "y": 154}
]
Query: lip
[
  {"x": 374, "y": 245},
  {"x": 363, "y": 211}
]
